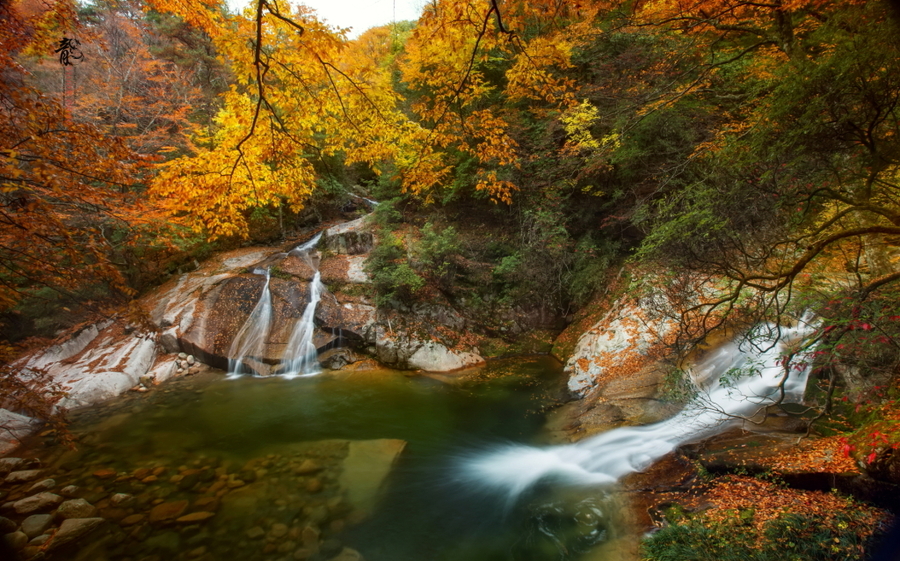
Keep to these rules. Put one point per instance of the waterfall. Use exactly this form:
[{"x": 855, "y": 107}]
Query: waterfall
[
  {"x": 301, "y": 356},
  {"x": 757, "y": 365},
  {"x": 250, "y": 341}
]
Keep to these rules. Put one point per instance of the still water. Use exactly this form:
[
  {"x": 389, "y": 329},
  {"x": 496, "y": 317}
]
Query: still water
[{"x": 312, "y": 468}]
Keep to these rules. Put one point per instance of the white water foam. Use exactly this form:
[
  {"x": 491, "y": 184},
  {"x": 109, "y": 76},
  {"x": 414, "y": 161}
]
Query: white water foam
[
  {"x": 301, "y": 355},
  {"x": 757, "y": 365},
  {"x": 250, "y": 340}
]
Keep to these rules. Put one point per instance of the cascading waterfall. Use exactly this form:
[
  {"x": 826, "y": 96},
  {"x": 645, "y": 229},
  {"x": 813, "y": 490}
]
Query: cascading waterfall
[
  {"x": 756, "y": 362},
  {"x": 301, "y": 356},
  {"x": 250, "y": 341}
]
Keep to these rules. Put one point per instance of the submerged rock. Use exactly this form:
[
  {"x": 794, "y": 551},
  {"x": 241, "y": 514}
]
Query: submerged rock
[
  {"x": 366, "y": 467},
  {"x": 74, "y": 529},
  {"x": 37, "y": 503}
]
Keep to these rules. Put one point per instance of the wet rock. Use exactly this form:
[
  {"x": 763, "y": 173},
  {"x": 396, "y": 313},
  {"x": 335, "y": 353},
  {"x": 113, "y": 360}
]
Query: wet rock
[
  {"x": 40, "y": 540},
  {"x": 23, "y": 476},
  {"x": 17, "y": 540},
  {"x": 7, "y": 525},
  {"x": 74, "y": 529},
  {"x": 36, "y": 524},
  {"x": 10, "y": 464},
  {"x": 37, "y": 503},
  {"x": 71, "y": 491},
  {"x": 76, "y": 508},
  {"x": 168, "y": 511},
  {"x": 44, "y": 485},
  {"x": 121, "y": 500}
]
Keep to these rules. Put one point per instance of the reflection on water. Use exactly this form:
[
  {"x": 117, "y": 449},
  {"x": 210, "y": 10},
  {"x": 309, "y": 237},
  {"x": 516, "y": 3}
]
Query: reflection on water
[{"x": 279, "y": 469}]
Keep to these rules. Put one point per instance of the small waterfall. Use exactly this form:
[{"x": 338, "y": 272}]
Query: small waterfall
[
  {"x": 604, "y": 458},
  {"x": 301, "y": 356},
  {"x": 250, "y": 341}
]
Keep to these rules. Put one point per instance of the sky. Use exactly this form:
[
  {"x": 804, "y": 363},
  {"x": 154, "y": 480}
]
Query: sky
[{"x": 360, "y": 15}]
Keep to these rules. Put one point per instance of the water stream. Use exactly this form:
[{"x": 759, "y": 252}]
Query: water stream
[
  {"x": 738, "y": 380},
  {"x": 300, "y": 356},
  {"x": 250, "y": 341}
]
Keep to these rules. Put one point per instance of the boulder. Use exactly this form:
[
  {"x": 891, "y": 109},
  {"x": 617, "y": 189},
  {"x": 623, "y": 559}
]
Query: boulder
[{"x": 434, "y": 357}]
